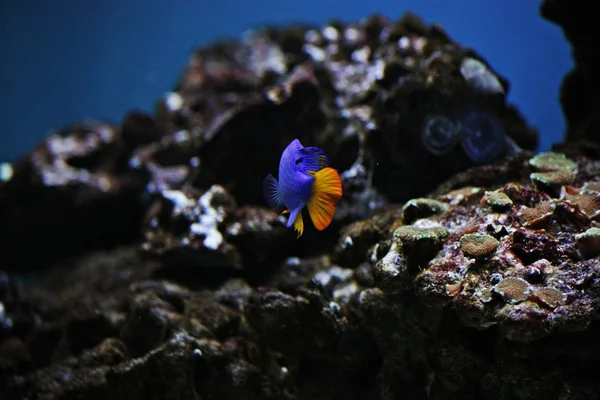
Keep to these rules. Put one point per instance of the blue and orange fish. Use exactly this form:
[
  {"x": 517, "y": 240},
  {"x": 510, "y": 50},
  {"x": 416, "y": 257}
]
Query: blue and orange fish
[{"x": 305, "y": 179}]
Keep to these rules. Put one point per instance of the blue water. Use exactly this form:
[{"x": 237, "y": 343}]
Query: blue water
[{"x": 66, "y": 60}]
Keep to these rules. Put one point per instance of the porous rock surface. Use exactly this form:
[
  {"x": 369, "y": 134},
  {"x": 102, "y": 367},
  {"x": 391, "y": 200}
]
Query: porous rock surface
[{"x": 459, "y": 264}]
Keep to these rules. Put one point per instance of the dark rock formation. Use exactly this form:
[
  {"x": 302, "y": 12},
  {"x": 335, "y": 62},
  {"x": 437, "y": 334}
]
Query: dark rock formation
[
  {"x": 579, "y": 90},
  {"x": 72, "y": 193},
  {"x": 366, "y": 93},
  {"x": 398, "y": 107},
  {"x": 459, "y": 265}
]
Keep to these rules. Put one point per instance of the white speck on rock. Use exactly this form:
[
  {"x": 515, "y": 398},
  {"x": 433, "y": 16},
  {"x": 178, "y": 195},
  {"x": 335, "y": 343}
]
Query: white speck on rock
[
  {"x": 335, "y": 307},
  {"x": 311, "y": 36},
  {"x": 181, "y": 136},
  {"x": 209, "y": 220},
  {"x": 323, "y": 278},
  {"x": 179, "y": 200},
  {"x": 344, "y": 293},
  {"x": 4, "y": 320},
  {"x": 173, "y": 101},
  {"x": 331, "y": 34},
  {"x": 292, "y": 261},
  {"x": 348, "y": 241},
  {"x": 316, "y": 53},
  {"x": 361, "y": 55},
  {"x": 6, "y": 172}
]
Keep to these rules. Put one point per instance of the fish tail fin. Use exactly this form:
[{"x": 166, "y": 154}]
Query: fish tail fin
[{"x": 326, "y": 192}]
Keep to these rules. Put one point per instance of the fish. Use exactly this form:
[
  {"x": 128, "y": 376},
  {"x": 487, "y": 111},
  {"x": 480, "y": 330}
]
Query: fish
[{"x": 305, "y": 179}]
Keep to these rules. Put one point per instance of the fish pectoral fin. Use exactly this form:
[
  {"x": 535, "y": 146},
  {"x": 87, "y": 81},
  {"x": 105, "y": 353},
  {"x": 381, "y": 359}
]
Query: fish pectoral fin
[
  {"x": 271, "y": 193},
  {"x": 326, "y": 192}
]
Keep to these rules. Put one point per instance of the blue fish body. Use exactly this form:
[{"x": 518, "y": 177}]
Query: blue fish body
[
  {"x": 299, "y": 168},
  {"x": 295, "y": 183}
]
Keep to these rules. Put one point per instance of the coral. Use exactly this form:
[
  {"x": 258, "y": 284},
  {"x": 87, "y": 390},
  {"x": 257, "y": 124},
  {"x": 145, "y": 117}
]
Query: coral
[
  {"x": 497, "y": 200},
  {"x": 553, "y": 171},
  {"x": 588, "y": 242},
  {"x": 513, "y": 290},
  {"x": 482, "y": 137},
  {"x": 417, "y": 243},
  {"x": 478, "y": 245},
  {"x": 439, "y": 135},
  {"x": 524, "y": 251}
]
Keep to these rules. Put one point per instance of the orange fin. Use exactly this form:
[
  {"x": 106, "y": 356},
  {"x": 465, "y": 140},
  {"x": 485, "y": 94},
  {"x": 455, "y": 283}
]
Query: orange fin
[
  {"x": 326, "y": 192},
  {"x": 299, "y": 224}
]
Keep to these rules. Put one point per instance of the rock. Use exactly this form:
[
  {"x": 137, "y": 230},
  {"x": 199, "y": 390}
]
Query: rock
[
  {"x": 421, "y": 208},
  {"x": 188, "y": 231},
  {"x": 17, "y": 316},
  {"x": 183, "y": 228},
  {"x": 292, "y": 324},
  {"x": 517, "y": 259},
  {"x": 358, "y": 240},
  {"x": 580, "y": 104},
  {"x": 77, "y": 179},
  {"x": 211, "y": 297},
  {"x": 245, "y": 101}
]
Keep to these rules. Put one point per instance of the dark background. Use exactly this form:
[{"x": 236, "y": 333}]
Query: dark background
[{"x": 65, "y": 60}]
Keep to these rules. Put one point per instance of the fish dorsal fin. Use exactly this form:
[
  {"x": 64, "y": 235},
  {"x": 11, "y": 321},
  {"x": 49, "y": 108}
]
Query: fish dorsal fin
[
  {"x": 313, "y": 159},
  {"x": 272, "y": 195},
  {"x": 326, "y": 192}
]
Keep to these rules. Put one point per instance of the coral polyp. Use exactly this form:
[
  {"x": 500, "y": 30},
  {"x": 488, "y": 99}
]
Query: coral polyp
[
  {"x": 481, "y": 136},
  {"x": 439, "y": 134}
]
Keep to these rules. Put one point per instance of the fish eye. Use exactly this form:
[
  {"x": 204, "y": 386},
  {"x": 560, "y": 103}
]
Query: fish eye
[
  {"x": 481, "y": 136},
  {"x": 299, "y": 160},
  {"x": 439, "y": 135}
]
